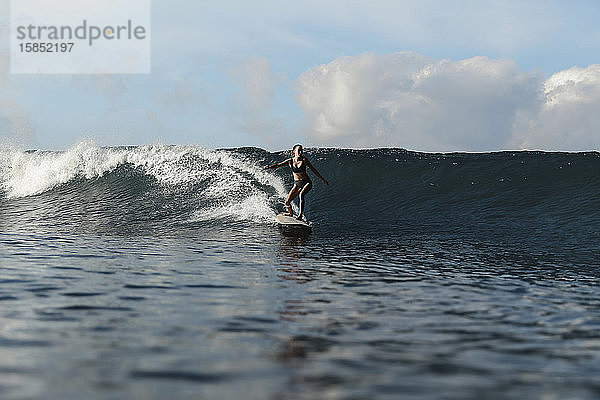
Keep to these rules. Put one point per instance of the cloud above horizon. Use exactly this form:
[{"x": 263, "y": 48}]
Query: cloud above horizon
[
  {"x": 476, "y": 104},
  {"x": 569, "y": 118},
  {"x": 16, "y": 128},
  {"x": 252, "y": 103},
  {"x": 269, "y": 74}
]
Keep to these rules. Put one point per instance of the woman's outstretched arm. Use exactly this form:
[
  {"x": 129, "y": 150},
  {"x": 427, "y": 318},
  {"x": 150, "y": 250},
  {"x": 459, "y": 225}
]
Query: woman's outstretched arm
[
  {"x": 281, "y": 164},
  {"x": 316, "y": 172}
]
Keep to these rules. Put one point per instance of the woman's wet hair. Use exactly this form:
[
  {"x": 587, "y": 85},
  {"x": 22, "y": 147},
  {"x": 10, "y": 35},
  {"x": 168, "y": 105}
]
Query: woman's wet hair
[{"x": 296, "y": 145}]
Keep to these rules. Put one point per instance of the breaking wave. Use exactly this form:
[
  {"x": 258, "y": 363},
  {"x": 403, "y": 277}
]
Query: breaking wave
[{"x": 99, "y": 189}]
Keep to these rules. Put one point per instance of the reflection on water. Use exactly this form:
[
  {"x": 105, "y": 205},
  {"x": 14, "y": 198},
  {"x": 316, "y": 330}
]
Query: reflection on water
[
  {"x": 290, "y": 258},
  {"x": 192, "y": 315},
  {"x": 291, "y": 247}
]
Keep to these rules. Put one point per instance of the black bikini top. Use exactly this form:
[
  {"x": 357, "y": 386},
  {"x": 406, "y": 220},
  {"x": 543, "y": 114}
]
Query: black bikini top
[{"x": 301, "y": 168}]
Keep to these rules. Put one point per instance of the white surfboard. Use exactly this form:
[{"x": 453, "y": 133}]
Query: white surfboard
[{"x": 291, "y": 222}]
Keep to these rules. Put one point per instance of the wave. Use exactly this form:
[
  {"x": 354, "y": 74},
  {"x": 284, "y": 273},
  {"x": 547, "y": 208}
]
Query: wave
[
  {"x": 154, "y": 185},
  {"x": 392, "y": 190}
]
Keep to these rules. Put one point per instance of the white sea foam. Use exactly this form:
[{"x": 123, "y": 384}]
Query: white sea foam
[
  {"x": 253, "y": 208},
  {"x": 233, "y": 183},
  {"x": 26, "y": 174}
]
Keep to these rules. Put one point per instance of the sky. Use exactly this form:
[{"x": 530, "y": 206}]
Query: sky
[{"x": 423, "y": 75}]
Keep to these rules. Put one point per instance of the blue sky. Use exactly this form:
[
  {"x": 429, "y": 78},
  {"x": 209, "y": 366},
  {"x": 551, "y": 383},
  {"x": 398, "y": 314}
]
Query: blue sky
[{"x": 423, "y": 75}]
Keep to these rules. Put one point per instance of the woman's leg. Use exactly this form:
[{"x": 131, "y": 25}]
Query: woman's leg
[
  {"x": 303, "y": 192},
  {"x": 288, "y": 201}
]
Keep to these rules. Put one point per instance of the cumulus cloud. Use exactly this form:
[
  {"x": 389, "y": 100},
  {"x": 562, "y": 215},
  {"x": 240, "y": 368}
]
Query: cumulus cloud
[
  {"x": 180, "y": 94},
  {"x": 253, "y": 103},
  {"x": 344, "y": 98},
  {"x": 477, "y": 104},
  {"x": 185, "y": 90},
  {"x": 16, "y": 128},
  {"x": 112, "y": 87},
  {"x": 569, "y": 118}
]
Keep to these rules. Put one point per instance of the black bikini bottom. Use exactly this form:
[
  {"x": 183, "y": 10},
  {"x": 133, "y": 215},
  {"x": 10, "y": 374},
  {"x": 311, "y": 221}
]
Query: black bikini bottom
[{"x": 301, "y": 183}]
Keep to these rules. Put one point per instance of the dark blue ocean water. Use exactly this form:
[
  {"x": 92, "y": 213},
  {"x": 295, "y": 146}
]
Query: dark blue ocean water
[{"x": 158, "y": 272}]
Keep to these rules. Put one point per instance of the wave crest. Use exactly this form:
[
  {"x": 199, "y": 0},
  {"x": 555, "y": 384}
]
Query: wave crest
[{"x": 209, "y": 182}]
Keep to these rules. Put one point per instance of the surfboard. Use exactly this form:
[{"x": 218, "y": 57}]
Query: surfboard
[{"x": 290, "y": 222}]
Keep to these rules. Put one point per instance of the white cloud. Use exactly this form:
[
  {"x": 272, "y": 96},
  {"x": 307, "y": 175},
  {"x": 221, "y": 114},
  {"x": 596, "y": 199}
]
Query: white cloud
[
  {"x": 573, "y": 86},
  {"x": 184, "y": 92},
  {"x": 569, "y": 118},
  {"x": 253, "y": 104},
  {"x": 111, "y": 85},
  {"x": 259, "y": 84},
  {"x": 16, "y": 128},
  {"x": 477, "y": 104},
  {"x": 408, "y": 100}
]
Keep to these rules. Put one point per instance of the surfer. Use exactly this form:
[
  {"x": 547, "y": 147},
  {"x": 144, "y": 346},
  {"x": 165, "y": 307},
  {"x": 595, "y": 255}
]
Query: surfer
[{"x": 302, "y": 182}]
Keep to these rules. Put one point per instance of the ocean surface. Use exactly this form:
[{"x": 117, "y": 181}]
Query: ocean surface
[{"x": 158, "y": 272}]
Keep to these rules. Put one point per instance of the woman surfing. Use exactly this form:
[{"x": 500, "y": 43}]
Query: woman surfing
[{"x": 302, "y": 182}]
